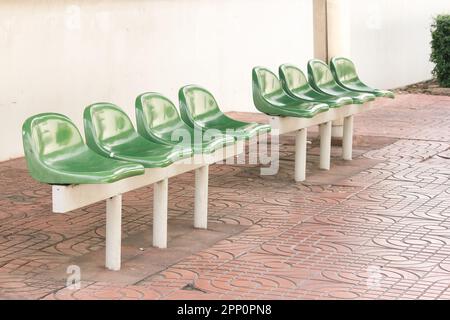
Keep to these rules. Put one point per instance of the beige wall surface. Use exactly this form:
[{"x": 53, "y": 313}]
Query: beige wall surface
[
  {"x": 389, "y": 39},
  {"x": 61, "y": 55}
]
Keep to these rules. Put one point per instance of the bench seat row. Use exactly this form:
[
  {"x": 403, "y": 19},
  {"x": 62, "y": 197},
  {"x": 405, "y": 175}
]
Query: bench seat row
[
  {"x": 329, "y": 87},
  {"x": 117, "y": 157},
  {"x": 334, "y": 92},
  {"x": 56, "y": 154}
]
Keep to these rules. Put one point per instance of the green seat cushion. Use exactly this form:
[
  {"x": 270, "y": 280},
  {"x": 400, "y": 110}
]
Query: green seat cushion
[
  {"x": 296, "y": 85},
  {"x": 199, "y": 109},
  {"x": 322, "y": 80},
  {"x": 56, "y": 154},
  {"x": 345, "y": 74},
  {"x": 269, "y": 97},
  {"x": 159, "y": 121},
  {"x": 110, "y": 133}
]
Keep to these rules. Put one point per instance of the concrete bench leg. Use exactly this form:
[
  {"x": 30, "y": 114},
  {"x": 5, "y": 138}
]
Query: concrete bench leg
[
  {"x": 160, "y": 199},
  {"x": 300, "y": 155},
  {"x": 113, "y": 232},
  {"x": 201, "y": 198},
  {"x": 347, "y": 139},
  {"x": 325, "y": 145}
]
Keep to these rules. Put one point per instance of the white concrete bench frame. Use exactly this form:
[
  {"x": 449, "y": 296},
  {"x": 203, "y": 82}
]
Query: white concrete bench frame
[
  {"x": 281, "y": 125},
  {"x": 71, "y": 197}
]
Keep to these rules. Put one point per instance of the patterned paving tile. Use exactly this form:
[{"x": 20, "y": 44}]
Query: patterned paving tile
[{"x": 374, "y": 228}]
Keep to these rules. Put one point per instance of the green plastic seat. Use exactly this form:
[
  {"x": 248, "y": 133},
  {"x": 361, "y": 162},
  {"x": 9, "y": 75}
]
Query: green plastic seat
[
  {"x": 322, "y": 80},
  {"x": 269, "y": 97},
  {"x": 344, "y": 73},
  {"x": 56, "y": 154},
  {"x": 158, "y": 120},
  {"x": 199, "y": 109},
  {"x": 296, "y": 85},
  {"x": 109, "y": 132}
]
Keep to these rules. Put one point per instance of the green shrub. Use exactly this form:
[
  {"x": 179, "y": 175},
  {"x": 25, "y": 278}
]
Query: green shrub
[{"x": 440, "y": 49}]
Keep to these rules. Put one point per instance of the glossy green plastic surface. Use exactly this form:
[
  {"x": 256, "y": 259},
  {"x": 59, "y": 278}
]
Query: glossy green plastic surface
[
  {"x": 269, "y": 97},
  {"x": 158, "y": 120},
  {"x": 109, "y": 132},
  {"x": 296, "y": 85},
  {"x": 199, "y": 109},
  {"x": 322, "y": 80},
  {"x": 344, "y": 73},
  {"x": 56, "y": 154}
]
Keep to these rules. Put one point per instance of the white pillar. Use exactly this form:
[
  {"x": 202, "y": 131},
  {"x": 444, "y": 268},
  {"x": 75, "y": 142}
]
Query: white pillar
[
  {"x": 201, "y": 198},
  {"x": 339, "y": 42},
  {"x": 320, "y": 29},
  {"x": 113, "y": 232},
  {"x": 338, "y": 28},
  {"x": 300, "y": 155},
  {"x": 325, "y": 145},
  {"x": 160, "y": 199},
  {"x": 347, "y": 140}
]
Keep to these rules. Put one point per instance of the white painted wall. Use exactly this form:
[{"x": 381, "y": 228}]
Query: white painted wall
[
  {"x": 390, "y": 39},
  {"x": 61, "y": 55}
]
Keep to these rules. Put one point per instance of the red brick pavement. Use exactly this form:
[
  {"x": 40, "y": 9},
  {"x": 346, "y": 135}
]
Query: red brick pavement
[{"x": 377, "y": 227}]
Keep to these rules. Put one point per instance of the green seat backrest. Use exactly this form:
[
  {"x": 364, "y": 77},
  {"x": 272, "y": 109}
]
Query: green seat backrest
[
  {"x": 266, "y": 82},
  {"x": 268, "y": 94},
  {"x": 198, "y": 106},
  {"x": 320, "y": 76},
  {"x": 344, "y": 70},
  {"x": 157, "y": 118},
  {"x": 345, "y": 74},
  {"x": 294, "y": 80},
  {"x": 265, "y": 85},
  {"x": 49, "y": 137},
  {"x": 106, "y": 126}
]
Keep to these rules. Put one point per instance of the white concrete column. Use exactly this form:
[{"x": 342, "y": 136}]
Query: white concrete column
[
  {"x": 160, "y": 199},
  {"x": 113, "y": 232},
  {"x": 338, "y": 28},
  {"x": 338, "y": 37},
  {"x": 320, "y": 29},
  {"x": 347, "y": 140},
  {"x": 300, "y": 155},
  {"x": 201, "y": 198},
  {"x": 325, "y": 145}
]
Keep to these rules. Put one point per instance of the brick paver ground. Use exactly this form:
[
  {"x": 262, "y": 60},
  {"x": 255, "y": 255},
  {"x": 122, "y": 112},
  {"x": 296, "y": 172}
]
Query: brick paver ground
[{"x": 375, "y": 227}]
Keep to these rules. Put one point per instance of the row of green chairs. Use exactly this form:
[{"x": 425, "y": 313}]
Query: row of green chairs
[
  {"x": 296, "y": 102},
  {"x": 292, "y": 95},
  {"x": 114, "y": 150}
]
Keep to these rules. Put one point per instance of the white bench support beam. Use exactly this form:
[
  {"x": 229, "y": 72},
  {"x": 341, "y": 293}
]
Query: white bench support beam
[
  {"x": 201, "y": 198},
  {"x": 347, "y": 139},
  {"x": 325, "y": 145},
  {"x": 113, "y": 232},
  {"x": 300, "y": 154},
  {"x": 71, "y": 197}
]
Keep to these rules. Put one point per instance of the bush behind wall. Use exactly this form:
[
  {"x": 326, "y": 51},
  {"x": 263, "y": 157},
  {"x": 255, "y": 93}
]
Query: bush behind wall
[{"x": 440, "y": 49}]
